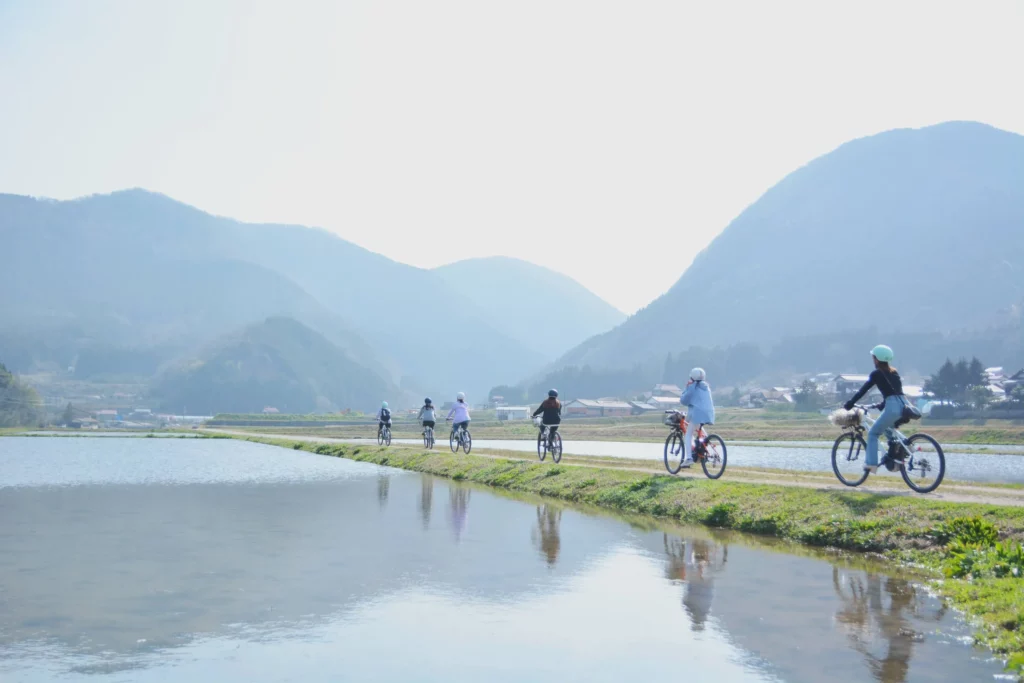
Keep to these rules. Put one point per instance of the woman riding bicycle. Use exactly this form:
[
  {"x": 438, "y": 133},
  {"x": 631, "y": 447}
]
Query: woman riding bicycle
[
  {"x": 383, "y": 417},
  {"x": 552, "y": 411},
  {"x": 459, "y": 414},
  {"x": 700, "y": 411},
  {"x": 426, "y": 415},
  {"x": 888, "y": 381}
]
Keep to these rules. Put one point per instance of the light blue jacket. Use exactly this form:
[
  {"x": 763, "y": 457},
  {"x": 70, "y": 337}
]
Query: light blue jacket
[{"x": 701, "y": 408}]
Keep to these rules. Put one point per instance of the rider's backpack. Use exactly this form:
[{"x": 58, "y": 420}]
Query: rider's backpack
[{"x": 385, "y": 415}]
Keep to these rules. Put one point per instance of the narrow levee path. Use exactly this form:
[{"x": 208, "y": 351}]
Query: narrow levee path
[{"x": 888, "y": 484}]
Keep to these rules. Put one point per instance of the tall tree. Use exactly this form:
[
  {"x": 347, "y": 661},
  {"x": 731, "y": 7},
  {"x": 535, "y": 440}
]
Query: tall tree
[{"x": 808, "y": 398}]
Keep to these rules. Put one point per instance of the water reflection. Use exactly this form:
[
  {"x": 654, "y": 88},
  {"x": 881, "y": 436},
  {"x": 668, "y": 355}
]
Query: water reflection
[
  {"x": 426, "y": 500},
  {"x": 383, "y": 486},
  {"x": 695, "y": 562},
  {"x": 458, "y": 504},
  {"x": 546, "y": 535},
  {"x": 877, "y": 609},
  {"x": 297, "y": 579}
]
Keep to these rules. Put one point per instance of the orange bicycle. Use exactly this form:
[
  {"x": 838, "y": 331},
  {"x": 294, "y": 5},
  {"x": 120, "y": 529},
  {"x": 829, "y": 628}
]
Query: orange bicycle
[{"x": 709, "y": 449}]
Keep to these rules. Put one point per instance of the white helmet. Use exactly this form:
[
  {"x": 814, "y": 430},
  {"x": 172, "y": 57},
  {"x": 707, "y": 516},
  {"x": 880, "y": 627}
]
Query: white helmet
[
  {"x": 460, "y": 396},
  {"x": 697, "y": 374}
]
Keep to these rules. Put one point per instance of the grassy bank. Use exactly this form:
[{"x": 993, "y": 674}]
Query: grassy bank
[{"x": 976, "y": 548}]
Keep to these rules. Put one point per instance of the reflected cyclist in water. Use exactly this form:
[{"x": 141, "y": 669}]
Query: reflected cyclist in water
[
  {"x": 426, "y": 499},
  {"x": 878, "y": 608},
  {"x": 546, "y": 534},
  {"x": 458, "y": 504},
  {"x": 383, "y": 485},
  {"x": 695, "y": 563}
]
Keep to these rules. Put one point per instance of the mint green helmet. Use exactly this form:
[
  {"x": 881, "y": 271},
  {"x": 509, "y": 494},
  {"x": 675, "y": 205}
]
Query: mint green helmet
[{"x": 882, "y": 353}]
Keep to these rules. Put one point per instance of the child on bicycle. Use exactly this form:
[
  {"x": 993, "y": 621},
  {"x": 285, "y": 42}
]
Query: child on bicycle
[
  {"x": 552, "y": 411},
  {"x": 383, "y": 417},
  {"x": 700, "y": 409},
  {"x": 459, "y": 414},
  {"x": 888, "y": 381},
  {"x": 426, "y": 415}
]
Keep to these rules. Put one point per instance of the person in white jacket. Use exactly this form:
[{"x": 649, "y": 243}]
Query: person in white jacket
[{"x": 459, "y": 414}]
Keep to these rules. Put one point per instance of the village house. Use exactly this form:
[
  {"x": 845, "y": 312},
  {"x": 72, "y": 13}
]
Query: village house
[
  {"x": 513, "y": 413},
  {"x": 664, "y": 402},
  {"x": 642, "y": 408},
  {"x": 582, "y": 407}
]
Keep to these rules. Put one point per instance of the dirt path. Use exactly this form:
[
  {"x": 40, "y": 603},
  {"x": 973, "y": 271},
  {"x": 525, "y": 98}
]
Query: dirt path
[{"x": 887, "y": 484}]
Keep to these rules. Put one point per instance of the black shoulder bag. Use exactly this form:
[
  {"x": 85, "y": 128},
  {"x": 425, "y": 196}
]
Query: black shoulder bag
[{"x": 910, "y": 411}]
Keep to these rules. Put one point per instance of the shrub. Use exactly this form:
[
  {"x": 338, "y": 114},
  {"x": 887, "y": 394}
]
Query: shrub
[
  {"x": 720, "y": 515},
  {"x": 968, "y": 531}
]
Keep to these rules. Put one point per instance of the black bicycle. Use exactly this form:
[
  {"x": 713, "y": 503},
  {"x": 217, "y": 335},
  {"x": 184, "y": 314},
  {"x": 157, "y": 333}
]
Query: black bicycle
[
  {"x": 919, "y": 457},
  {"x": 548, "y": 442},
  {"x": 460, "y": 438},
  {"x": 384, "y": 435},
  {"x": 709, "y": 449}
]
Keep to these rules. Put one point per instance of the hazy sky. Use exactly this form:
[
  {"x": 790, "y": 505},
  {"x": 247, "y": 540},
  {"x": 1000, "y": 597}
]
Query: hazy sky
[{"x": 608, "y": 140}]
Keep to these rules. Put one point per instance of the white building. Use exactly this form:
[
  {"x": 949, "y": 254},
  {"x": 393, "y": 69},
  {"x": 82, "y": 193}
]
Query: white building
[{"x": 513, "y": 412}]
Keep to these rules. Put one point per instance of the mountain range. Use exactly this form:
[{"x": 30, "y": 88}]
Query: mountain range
[
  {"x": 135, "y": 281},
  {"x": 909, "y": 233},
  {"x": 278, "y": 362}
]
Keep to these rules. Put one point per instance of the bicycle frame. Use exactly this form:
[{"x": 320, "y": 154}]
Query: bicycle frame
[{"x": 867, "y": 422}]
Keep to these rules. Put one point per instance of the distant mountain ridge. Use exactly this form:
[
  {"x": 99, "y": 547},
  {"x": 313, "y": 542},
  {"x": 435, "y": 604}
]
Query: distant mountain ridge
[
  {"x": 140, "y": 274},
  {"x": 910, "y": 231},
  {"x": 545, "y": 311},
  {"x": 277, "y": 363}
]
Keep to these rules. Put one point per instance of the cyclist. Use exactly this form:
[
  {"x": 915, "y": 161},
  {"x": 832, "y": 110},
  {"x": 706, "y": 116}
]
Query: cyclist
[
  {"x": 459, "y": 414},
  {"x": 700, "y": 409},
  {"x": 383, "y": 417},
  {"x": 552, "y": 411},
  {"x": 888, "y": 381},
  {"x": 426, "y": 415}
]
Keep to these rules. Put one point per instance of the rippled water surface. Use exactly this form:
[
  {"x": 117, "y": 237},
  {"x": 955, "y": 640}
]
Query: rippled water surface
[{"x": 209, "y": 560}]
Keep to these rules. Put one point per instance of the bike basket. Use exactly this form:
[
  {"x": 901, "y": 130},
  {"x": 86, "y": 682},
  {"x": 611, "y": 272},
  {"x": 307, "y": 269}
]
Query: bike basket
[
  {"x": 672, "y": 418},
  {"x": 538, "y": 421},
  {"x": 845, "y": 418}
]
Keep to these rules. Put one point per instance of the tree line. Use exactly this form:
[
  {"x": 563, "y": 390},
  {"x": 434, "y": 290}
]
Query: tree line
[{"x": 19, "y": 404}]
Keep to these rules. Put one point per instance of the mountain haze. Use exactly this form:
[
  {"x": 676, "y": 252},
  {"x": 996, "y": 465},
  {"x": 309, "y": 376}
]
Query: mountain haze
[
  {"x": 545, "y": 311},
  {"x": 136, "y": 270},
  {"x": 909, "y": 231},
  {"x": 279, "y": 363}
]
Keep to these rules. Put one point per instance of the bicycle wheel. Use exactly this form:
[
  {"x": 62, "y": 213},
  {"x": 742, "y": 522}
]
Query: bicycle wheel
[
  {"x": 847, "y": 459},
  {"x": 380, "y": 437},
  {"x": 467, "y": 442},
  {"x": 674, "y": 452},
  {"x": 715, "y": 454},
  {"x": 556, "y": 447},
  {"x": 453, "y": 442},
  {"x": 542, "y": 446},
  {"x": 387, "y": 436},
  {"x": 428, "y": 437},
  {"x": 925, "y": 466}
]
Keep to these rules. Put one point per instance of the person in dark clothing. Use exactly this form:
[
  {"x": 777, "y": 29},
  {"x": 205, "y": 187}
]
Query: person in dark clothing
[
  {"x": 888, "y": 381},
  {"x": 551, "y": 409}
]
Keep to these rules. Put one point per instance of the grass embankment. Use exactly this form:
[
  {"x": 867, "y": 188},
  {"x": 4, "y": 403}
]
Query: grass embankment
[
  {"x": 976, "y": 547},
  {"x": 734, "y": 424}
]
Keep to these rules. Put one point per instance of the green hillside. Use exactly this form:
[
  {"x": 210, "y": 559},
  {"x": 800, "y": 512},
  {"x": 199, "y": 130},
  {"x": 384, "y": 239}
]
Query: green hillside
[{"x": 279, "y": 363}]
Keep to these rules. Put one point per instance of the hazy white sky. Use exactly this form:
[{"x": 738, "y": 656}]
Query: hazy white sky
[{"x": 608, "y": 140}]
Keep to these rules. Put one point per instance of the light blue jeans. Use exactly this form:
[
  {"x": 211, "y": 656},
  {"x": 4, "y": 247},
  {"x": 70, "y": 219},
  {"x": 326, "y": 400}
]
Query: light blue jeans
[{"x": 887, "y": 420}]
